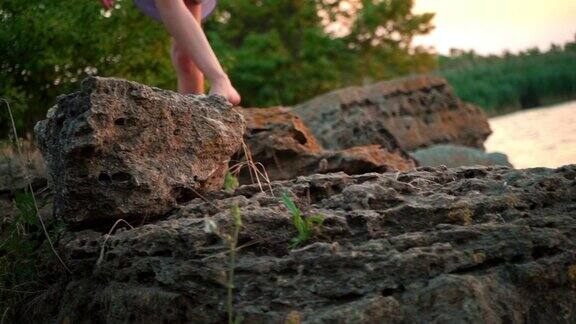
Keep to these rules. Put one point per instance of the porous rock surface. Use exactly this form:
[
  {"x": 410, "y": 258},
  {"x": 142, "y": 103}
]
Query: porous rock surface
[
  {"x": 119, "y": 149},
  {"x": 17, "y": 173},
  {"x": 452, "y": 155},
  {"x": 432, "y": 245},
  {"x": 408, "y": 113},
  {"x": 286, "y": 148}
]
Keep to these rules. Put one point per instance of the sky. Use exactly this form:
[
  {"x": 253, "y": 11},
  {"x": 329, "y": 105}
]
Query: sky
[{"x": 492, "y": 26}]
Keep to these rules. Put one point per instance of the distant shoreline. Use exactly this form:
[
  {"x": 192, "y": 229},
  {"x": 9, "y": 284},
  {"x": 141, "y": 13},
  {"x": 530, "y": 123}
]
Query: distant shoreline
[{"x": 546, "y": 103}]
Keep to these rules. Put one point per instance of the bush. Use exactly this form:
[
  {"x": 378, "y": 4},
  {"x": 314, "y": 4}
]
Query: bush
[
  {"x": 49, "y": 46},
  {"x": 525, "y": 80}
]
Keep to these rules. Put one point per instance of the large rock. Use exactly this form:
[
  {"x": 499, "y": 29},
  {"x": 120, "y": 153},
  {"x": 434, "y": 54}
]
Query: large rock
[
  {"x": 17, "y": 170},
  {"x": 286, "y": 148},
  {"x": 365, "y": 159},
  {"x": 408, "y": 113},
  {"x": 118, "y": 149},
  {"x": 433, "y": 245},
  {"x": 457, "y": 155},
  {"x": 273, "y": 131}
]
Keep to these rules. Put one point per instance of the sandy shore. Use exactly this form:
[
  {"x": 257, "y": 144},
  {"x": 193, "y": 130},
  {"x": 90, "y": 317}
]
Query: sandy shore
[{"x": 536, "y": 137}]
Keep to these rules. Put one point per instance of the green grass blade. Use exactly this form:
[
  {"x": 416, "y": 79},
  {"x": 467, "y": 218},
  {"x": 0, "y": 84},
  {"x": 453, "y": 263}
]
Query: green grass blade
[
  {"x": 230, "y": 183},
  {"x": 289, "y": 203}
]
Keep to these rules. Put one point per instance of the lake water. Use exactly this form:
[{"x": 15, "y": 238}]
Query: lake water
[{"x": 541, "y": 137}]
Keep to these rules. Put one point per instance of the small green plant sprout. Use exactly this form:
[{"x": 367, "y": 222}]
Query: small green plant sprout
[
  {"x": 305, "y": 225},
  {"x": 22, "y": 243},
  {"x": 230, "y": 182},
  {"x": 31, "y": 205},
  {"x": 25, "y": 206},
  {"x": 232, "y": 240}
]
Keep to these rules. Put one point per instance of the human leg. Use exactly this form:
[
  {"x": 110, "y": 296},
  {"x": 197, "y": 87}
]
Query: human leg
[
  {"x": 189, "y": 37},
  {"x": 190, "y": 78}
]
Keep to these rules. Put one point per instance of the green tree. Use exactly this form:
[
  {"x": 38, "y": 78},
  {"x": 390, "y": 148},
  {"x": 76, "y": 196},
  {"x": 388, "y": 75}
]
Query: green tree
[
  {"x": 276, "y": 51},
  {"x": 48, "y": 46},
  {"x": 381, "y": 39},
  {"x": 286, "y": 51}
]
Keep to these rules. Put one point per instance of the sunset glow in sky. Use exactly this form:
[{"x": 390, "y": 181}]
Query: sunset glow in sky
[{"x": 491, "y": 26}]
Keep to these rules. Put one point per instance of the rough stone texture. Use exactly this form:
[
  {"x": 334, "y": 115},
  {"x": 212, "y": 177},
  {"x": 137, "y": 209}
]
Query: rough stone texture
[
  {"x": 16, "y": 170},
  {"x": 365, "y": 159},
  {"x": 456, "y": 155},
  {"x": 433, "y": 245},
  {"x": 275, "y": 131},
  {"x": 408, "y": 113},
  {"x": 118, "y": 149},
  {"x": 286, "y": 148},
  {"x": 16, "y": 173}
]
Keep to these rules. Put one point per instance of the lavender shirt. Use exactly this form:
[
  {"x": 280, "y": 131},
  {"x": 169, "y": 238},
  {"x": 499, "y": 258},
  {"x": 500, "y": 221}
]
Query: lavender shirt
[{"x": 148, "y": 7}]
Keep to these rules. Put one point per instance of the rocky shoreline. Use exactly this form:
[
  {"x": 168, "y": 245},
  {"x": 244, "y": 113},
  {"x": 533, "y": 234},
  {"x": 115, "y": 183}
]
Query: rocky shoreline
[
  {"x": 136, "y": 176},
  {"x": 469, "y": 244}
]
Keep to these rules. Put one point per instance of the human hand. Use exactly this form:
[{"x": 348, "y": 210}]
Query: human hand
[{"x": 107, "y": 4}]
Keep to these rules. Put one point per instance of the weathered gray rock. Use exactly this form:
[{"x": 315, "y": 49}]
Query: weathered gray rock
[
  {"x": 433, "y": 245},
  {"x": 286, "y": 148},
  {"x": 407, "y": 113},
  {"x": 118, "y": 149},
  {"x": 457, "y": 155},
  {"x": 18, "y": 171}
]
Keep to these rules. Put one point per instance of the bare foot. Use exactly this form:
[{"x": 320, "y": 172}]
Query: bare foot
[{"x": 224, "y": 88}]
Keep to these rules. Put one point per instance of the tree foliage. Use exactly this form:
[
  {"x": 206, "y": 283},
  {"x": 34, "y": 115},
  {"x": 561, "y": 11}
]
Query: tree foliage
[
  {"x": 276, "y": 51},
  {"x": 49, "y": 46},
  {"x": 286, "y": 51}
]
